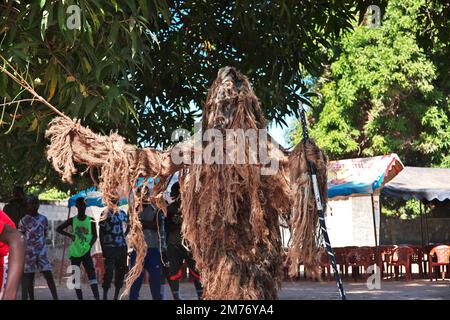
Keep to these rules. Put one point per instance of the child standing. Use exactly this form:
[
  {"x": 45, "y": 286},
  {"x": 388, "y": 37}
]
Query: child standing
[
  {"x": 83, "y": 235},
  {"x": 34, "y": 228},
  {"x": 115, "y": 250}
]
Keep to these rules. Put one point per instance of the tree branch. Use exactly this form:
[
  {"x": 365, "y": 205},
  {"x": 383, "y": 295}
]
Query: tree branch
[{"x": 16, "y": 77}]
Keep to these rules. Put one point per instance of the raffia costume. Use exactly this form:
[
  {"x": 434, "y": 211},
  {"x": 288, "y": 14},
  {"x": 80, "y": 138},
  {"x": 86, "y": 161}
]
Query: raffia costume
[{"x": 231, "y": 212}]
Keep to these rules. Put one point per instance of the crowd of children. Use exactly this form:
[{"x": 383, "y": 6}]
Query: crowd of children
[{"x": 23, "y": 251}]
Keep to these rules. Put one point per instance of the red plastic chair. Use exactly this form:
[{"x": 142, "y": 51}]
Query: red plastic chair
[
  {"x": 344, "y": 253},
  {"x": 401, "y": 256},
  {"x": 439, "y": 256},
  {"x": 358, "y": 258},
  {"x": 417, "y": 258},
  {"x": 99, "y": 265},
  {"x": 324, "y": 262},
  {"x": 386, "y": 252},
  {"x": 426, "y": 255}
]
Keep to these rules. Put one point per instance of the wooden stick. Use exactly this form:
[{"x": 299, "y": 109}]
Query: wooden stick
[
  {"x": 63, "y": 253},
  {"x": 27, "y": 87}
]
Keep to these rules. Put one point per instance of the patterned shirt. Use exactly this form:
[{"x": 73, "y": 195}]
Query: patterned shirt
[
  {"x": 111, "y": 229},
  {"x": 34, "y": 229}
]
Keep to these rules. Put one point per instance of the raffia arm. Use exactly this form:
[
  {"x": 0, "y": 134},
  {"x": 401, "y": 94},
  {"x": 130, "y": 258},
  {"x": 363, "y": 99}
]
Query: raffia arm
[
  {"x": 72, "y": 143},
  {"x": 119, "y": 164}
]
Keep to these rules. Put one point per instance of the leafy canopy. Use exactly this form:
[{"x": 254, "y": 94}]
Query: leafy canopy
[
  {"x": 383, "y": 93},
  {"x": 143, "y": 67}
]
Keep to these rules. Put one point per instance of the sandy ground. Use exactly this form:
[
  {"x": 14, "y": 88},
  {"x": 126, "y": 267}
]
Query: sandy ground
[{"x": 418, "y": 289}]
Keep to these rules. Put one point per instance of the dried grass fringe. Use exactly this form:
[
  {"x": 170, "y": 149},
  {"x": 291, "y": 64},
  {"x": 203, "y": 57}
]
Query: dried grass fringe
[
  {"x": 231, "y": 214},
  {"x": 116, "y": 161}
]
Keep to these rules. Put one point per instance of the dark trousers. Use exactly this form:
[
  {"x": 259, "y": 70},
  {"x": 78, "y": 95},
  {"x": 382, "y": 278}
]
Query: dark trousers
[
  {"x": 176, "y": 255},
  {"x": 23, "y": 287},
  {"x": 115, "y": 263},
  {"x": 88, "y": 265},
  {"x": 28, "y": 282},
  {"x": 152, "y": 263}
]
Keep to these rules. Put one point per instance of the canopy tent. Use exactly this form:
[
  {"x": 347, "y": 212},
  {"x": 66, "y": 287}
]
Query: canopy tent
[
  {"x": 361, "y": 176},
  {"x": 420, "y": 183},
  {"x": 93, "y": 197},
  {"x": 423, "y": 184}
]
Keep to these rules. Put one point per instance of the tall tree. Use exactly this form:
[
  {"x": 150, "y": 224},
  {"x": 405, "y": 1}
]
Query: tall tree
[
  {"x": 142, "y": 67},
  {"x": 381, "y": 93}
]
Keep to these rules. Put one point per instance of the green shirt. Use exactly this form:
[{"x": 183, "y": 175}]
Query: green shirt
[{"x": 82, "y": 230}]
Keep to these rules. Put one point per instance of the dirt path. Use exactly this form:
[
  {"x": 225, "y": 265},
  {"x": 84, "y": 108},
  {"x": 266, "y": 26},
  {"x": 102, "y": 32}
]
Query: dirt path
[{"x": 300, "y": 290}]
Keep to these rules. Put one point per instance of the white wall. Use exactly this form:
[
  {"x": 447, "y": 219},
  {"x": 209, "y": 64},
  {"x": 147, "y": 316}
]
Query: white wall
[
  {"x": 339, "y": 222},
  {"x": 350, "y": 221}
]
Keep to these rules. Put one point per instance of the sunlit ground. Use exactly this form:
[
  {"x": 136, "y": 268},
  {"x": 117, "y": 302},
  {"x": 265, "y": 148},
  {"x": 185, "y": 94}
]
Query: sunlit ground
[{"x": 418, "y": 289}]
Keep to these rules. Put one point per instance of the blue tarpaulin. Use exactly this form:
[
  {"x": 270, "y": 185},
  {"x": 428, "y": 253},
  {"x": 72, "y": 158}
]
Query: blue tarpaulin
[{"x": 93, "y": 197}]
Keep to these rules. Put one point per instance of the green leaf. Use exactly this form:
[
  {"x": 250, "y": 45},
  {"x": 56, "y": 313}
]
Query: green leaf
[
  {"x": 3, "y": 84},
  {"x": 102, "y": 68},
  {"x": 114, "y": 31},
  {"x": 44, "y": 22},
  {"x": 52, "y": 87},
  {"x": 144, "y": 7},
  {"x": 134, "y": 44},
  {"x": 113, "y": 93},
  {"x": 116, "y": 5},
  {"x": 95, "y": 21},
  {"x": 62, "y": 17},
  {"x": 130, "y": 108},
  {"x": 20, "y": 54},
  {"x": 90, "y": 105},
  {"x": 88, "y": 30},
  {"x": 34, "y": 125},
  {"x": 75, "y": 106},
  {"x": 87, "y": 66}
]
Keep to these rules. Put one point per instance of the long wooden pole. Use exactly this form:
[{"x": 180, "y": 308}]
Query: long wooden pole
[
  {"x": 426, "y": 223},
  {"x": 320, "y": 207},
  {"x": 374, "y": 221},
  {"x": 64, "y": 252},
  {"x": 421, "y": 222},
  {"x": 377, "y": 248}
]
